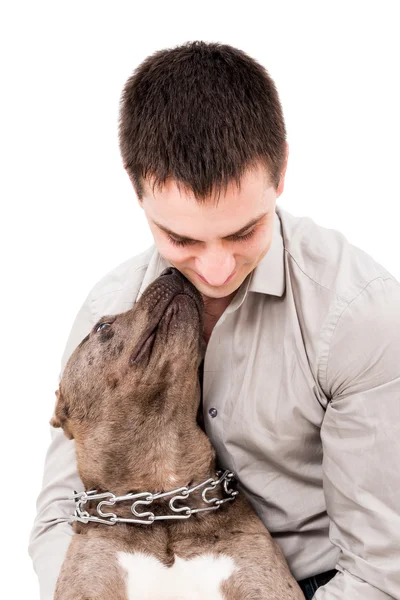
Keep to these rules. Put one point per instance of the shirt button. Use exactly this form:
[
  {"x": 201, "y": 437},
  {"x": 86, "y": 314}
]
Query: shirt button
[{"x": 213, "y": 412}]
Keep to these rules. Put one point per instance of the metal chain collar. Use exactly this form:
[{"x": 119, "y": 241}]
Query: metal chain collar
[{"x": 146, "y": 498}]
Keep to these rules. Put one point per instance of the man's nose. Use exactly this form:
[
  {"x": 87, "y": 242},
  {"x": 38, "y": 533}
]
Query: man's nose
[{"x": 215, "y": 269}]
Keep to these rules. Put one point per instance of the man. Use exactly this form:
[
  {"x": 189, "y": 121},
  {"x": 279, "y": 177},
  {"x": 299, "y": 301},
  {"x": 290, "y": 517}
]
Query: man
[{"x": 301, "y": 388}]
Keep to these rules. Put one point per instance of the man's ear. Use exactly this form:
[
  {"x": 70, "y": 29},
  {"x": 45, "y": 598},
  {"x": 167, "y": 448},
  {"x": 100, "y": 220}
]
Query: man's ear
[{"x": 61, "y": 414}]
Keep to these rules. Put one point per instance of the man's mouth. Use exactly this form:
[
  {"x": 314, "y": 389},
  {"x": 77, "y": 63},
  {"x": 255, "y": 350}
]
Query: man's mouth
[{"x": 225, "y": 282}]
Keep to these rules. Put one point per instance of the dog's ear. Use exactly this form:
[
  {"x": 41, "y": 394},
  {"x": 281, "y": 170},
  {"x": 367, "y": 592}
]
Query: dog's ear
[{"x": 61, "y": 414}]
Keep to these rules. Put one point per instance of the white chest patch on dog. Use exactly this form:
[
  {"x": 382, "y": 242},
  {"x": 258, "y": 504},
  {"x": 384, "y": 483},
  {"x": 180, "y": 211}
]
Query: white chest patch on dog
[{"x": 193, "y": 579}]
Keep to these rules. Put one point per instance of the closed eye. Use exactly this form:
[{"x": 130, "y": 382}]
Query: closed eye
[{"x": 235, "y": 238}]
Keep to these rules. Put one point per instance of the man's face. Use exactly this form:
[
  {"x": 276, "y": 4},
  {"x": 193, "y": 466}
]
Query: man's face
[{"x": 215, "y": 247}]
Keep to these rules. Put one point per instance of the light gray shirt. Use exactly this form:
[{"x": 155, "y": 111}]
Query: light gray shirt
[{"x": 303, "y": 369}]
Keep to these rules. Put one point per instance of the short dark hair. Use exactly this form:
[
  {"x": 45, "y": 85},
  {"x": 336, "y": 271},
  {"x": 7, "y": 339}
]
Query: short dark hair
[{"x": 201, "y": 114}]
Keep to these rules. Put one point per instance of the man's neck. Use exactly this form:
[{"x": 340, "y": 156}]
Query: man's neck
[{"x": 213, "y": 309}]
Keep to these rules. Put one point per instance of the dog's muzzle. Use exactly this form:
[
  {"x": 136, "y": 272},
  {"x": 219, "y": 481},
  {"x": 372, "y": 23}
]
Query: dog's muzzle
[{"x": 224, "y": 478}]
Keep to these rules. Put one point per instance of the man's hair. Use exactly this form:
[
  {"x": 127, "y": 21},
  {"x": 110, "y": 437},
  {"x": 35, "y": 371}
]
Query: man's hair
[{"x": 201, "y": 114}]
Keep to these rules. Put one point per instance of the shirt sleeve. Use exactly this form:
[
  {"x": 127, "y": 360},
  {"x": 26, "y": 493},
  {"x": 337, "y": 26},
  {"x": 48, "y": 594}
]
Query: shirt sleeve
[
  {"x": 361, "y": 446},
  {"x": 51, "y": 534}
]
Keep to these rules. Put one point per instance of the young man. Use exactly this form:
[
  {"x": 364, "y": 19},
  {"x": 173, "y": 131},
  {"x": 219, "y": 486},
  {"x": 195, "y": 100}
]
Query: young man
[{"x": 301, "y": 377}]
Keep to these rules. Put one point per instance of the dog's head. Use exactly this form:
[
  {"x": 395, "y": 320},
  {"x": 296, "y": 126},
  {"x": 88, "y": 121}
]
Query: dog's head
[{"x": 130, "y": 391}]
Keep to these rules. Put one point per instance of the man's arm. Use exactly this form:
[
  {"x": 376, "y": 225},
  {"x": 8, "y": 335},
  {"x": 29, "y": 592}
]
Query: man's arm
[
  {"x": 361, "y": 446},
  {"x": 51, "y": 533}
]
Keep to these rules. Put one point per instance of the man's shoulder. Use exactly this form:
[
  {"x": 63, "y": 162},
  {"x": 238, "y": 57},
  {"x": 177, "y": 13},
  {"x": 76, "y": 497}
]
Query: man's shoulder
[
  {"x": 117, "y": 289},
  {"x": 327, "y": 257}
]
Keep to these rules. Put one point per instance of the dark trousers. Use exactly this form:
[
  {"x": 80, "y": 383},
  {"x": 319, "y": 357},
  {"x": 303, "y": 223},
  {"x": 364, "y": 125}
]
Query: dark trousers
[{"x": 310, "y": 585}]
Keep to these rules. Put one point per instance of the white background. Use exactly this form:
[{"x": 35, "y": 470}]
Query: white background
[{"x": 69, "y": 213}]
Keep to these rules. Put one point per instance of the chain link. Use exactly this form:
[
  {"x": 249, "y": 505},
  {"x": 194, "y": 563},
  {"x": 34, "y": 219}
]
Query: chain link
[{"x": 146, "y": 498}]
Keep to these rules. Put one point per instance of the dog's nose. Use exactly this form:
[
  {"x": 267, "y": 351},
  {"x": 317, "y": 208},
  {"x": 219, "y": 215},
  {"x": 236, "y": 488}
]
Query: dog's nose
[{"x": 169, "y": 271}]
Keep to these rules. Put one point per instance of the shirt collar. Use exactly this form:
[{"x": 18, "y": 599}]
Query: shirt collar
[
  {"x": 269, "y": 275},
  {"x": 267, "y": 278}
]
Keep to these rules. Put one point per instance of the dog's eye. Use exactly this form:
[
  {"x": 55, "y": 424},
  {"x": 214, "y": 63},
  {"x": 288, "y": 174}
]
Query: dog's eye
[
  {"x": 104, "y": 323},
  {"x": 101, "y": 326}
]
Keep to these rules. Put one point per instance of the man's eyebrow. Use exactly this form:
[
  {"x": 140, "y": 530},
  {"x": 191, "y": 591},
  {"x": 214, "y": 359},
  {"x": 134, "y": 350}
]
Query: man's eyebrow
[{"x": 187, "y": 239}]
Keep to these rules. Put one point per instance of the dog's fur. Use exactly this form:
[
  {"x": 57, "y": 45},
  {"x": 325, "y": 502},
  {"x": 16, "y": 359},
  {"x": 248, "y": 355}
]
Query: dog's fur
[{"x": 129, "y": 396}]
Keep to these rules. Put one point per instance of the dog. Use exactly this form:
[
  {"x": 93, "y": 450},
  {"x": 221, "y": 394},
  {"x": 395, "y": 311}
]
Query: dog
[{"x": 129, "y": 396}]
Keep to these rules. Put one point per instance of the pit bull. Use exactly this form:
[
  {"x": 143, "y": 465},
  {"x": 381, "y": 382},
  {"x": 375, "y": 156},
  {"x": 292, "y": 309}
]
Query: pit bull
[{"x": 158, "y": 520}]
